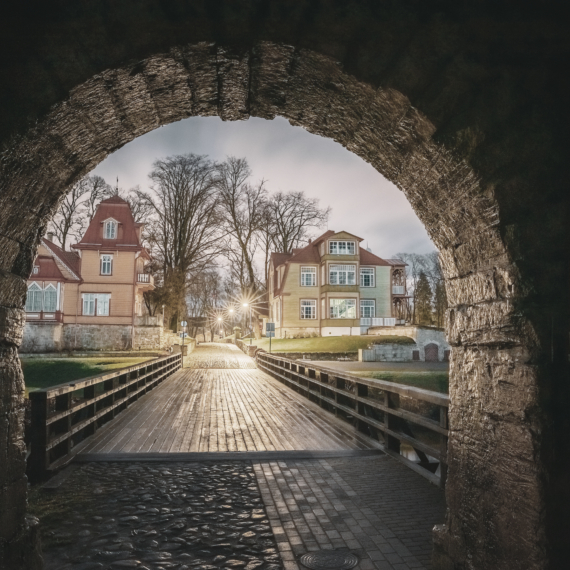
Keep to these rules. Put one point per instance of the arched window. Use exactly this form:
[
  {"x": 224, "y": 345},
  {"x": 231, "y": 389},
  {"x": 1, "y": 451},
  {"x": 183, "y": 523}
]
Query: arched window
[
  {"x": 50, "y": 299},
  {"x": 34, "y": 300},
  {"x": 110, "y": 229}
]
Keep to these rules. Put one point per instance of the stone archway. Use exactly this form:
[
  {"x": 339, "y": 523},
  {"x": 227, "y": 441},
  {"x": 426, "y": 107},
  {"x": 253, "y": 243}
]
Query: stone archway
[{"x": 464, "y": 176}]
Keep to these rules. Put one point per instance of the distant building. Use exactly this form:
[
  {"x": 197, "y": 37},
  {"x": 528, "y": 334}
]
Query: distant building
[
  {"x": 92, "y": 297},
  {"x": 334, "y": 287}
]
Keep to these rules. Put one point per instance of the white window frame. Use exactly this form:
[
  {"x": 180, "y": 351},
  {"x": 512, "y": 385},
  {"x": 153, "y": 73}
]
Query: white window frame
[
  {"x": 110, "y": 229},
  {"x": 106, "y": 262},
  {"x": 35, "y": 300},
  {"x": 103, "y": 302},
  {"x": 36, "y": 269},
  {"x": 367, "y": 271},
  {"x": 310, "y": 304},
  {"x": 342, "y": 308},
  {"x": 308, "y": 276},
  {"x": 51, "y": 292},
  {"x": 341, "y": 274},
  {"x": 342, "y": 247},
  {"x": 88, "y": 304},
  {"x": 367, "y": 304}
]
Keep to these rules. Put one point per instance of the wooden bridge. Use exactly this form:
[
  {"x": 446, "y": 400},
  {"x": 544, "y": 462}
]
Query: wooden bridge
[{"x": 223, "y": 403}]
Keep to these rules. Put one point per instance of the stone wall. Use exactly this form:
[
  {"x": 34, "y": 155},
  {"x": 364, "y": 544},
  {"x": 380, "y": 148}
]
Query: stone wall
[
  {"x": 42, "y": 337},
  {"x": 389, "y": 353}
]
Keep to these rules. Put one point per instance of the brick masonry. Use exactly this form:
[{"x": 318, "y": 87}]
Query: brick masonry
[{"x": 373, "y": 506}]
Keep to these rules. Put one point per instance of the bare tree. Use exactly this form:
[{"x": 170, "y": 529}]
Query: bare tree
[
  {"x": 294, "y": 216},
  {"x": 243, "y": 208},
  {"x": 184, "y": 231},
  {"x": 98, "y": 190}
]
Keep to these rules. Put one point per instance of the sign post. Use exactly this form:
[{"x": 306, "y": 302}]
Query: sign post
[
  {"x": 183, "y": 324},
  {"x": 270, "y": 332}
]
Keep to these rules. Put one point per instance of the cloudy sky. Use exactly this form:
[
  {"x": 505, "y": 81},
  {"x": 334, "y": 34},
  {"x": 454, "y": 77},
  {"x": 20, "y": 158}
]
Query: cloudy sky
[{"x": 288, "y": 158}]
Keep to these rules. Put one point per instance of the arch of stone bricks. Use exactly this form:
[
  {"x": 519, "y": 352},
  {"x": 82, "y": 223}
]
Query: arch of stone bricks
[{"x": 461, "y": 110}]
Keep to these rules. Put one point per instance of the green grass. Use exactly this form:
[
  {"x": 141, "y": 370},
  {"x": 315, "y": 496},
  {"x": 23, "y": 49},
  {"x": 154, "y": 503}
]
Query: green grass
[
  {"x": 434, "y": 380},
  {"x": 327, "y": 344},
  {"x": 42, "y": 373}
]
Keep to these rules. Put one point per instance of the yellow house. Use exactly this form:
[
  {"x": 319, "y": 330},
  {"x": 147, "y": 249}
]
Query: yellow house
[
  {"x": 90, "y": 298},
  {"x": 334, "y": 287}
]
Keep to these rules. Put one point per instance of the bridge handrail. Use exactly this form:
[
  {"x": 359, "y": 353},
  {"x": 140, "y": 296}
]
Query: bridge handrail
[
  {"x": 347, "y": 396},
  {"x": 59, "y": 423}
]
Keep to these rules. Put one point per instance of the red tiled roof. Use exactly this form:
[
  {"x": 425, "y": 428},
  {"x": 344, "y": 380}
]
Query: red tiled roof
[
  {"x": 280, "y": 258},
  {"x": 47, "y": 269},
  {"x": 308, "y": 254},
  {"x": 69, "y": 258},
  {"x": 368, "y": 258},
  {"x": 120, "y": 211}
]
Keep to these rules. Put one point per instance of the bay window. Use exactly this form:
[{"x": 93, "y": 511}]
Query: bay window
[
  {"x": 343, "y": 308},
  {"x": 50, "y": 299},
  {"x": 35, "y": 298},
  {"x": 342, "y": 274}
]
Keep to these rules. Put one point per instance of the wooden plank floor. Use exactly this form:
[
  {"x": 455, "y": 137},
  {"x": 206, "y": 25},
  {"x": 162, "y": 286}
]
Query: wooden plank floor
[{"x": 221, "y": 402}]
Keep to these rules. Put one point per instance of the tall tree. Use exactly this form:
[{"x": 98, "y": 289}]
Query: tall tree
[
  {"x": 423, "y": 300},
  {"x": 98, "y": 190},
  {"x": 184, "y": 231},
  {"x": 243, "y": 206}
]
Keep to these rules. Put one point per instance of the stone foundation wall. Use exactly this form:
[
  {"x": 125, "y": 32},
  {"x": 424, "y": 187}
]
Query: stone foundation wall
[
  {"x": 97, "y": 337},
  {"x": 422, "y": 335},
  {"x": 389, "y": 353},
  {"x": 42, "y": 337}
]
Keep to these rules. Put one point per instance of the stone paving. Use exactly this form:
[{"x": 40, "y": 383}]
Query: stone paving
[
  {"x": 245, "y": 515},
  {"x": 201, "y": 516}
]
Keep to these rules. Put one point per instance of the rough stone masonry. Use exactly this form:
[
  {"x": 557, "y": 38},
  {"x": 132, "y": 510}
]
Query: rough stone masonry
[{"x": 463, "y": 107}]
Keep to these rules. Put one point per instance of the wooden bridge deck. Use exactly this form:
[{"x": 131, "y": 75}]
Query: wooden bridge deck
[{"x": 221, "y": 402}]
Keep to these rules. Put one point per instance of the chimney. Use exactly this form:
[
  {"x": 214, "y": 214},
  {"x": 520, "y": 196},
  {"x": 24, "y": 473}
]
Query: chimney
[
  {"x": 50, "y": 236},
  {"x": 310, "y": 240}
]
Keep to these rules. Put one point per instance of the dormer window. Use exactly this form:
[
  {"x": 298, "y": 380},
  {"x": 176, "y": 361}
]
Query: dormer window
[
  {"x": 110, "y": 231},
  {"x": 36, "y": 269}
]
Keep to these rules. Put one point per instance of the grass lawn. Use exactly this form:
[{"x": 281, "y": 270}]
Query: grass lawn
[
  {"x": 434, "y": 380},
  {"x": 42, "y": 373},
  {"x": 327, "y": 344}
]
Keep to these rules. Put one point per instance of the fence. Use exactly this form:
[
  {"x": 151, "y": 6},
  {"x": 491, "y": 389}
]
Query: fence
[
  {"x": 410, "y": 423},
  {"x": 63, "y": 416}
]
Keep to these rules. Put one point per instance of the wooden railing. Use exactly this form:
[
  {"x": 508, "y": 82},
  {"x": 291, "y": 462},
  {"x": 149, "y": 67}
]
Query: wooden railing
[
  {"x": 66, "y": 415},
  {"x": 410, "y": 423}
]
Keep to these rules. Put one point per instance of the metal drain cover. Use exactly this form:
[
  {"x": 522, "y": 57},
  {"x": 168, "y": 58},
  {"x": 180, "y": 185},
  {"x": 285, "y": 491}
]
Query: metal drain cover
[{"x": 329, "y": 560}]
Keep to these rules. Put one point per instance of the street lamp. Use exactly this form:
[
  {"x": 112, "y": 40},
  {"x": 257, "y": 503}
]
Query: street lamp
[
  {"x": 250, "y": 328},
  {"x": 220, "y": 321}
]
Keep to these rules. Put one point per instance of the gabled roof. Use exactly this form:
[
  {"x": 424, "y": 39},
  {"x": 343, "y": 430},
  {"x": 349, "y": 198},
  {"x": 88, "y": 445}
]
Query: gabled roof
[
  {"x": 69, "y": 259},
  {"x": 127, "y": 235},
  {"x": 368, "y": 258}
]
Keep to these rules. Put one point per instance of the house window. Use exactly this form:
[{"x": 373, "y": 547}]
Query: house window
[
  {"x": 322, "y": 274},
  {"x": 103, "y": 304},
  {"x": 367, "y": 309},
  {"x": 308, "y": 276},
  {"x": 342, "y": 274},
  {"x": 88, "y": 304},
  {"x": 342, "y": 247},
  {"x": 106, "y": 264},
  {"x": 110, "y": 230},
  {"x": 343, "y": 308},
  {"x": 367, "y": 277},
  {"x": 50, "y": 299},
  {"x": 96, "y": 304},
  {"x": 34, "y": 300},
  {"x": 308, "y": 309},
  {"x": 36, "y": 269}
]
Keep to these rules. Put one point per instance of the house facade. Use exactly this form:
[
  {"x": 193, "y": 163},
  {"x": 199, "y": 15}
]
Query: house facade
[
  {"x": 334, "y": 287},
  {"x": 92, "y": 297}
]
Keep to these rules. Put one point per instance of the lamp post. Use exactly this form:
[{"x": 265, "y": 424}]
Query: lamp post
[
  {"x": 250, "y": 328},
  {"x": 163, "y": 315},
  {"x": 220, "y": 321}
]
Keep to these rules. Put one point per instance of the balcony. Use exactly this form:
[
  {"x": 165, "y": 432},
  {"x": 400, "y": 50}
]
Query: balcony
[
  {"x": 45, "y": 317},
  {"x": 145, "y": 279},
  {"x": 398, "y": 289},
  {"x": 377, "y": 322}
]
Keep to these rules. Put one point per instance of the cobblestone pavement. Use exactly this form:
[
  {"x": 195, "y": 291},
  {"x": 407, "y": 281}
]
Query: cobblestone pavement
[
  {"x": 214, "y": 355},
  {"x": 213, "y": 515},
  {"x": 201, "y": 516},
  {"x": 374, "y": 506}
]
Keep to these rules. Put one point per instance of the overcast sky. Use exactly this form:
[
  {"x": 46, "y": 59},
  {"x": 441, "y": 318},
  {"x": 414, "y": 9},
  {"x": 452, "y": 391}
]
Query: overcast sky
[{"x": 289, "y": 158}]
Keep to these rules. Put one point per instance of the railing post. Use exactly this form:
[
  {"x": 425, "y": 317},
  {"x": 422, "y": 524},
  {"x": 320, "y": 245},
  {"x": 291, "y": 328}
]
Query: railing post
[
  {"x": 361, "y": 392},
  {"x": 62, "y": 404},
  {"x": 392, "y": 422},
  {"x": 443, "y": 422},
  {"x": 38, "y": 462}
]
